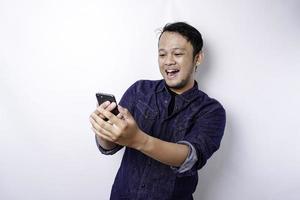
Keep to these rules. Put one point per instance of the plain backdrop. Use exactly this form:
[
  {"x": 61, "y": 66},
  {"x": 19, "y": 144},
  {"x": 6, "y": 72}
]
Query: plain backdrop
[{"x": 55, "y": 55}]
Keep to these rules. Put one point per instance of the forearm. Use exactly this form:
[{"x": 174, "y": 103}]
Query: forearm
[{"x": 166, "y": 152}]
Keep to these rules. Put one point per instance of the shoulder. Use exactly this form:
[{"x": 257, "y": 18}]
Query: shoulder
[
  {"x": 146, "y": 85},
  {"x": 209, "y": 105}
]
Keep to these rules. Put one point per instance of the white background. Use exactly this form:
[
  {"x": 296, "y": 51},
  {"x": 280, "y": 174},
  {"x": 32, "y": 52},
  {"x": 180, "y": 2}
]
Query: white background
[{"x": 54, "y": 56}]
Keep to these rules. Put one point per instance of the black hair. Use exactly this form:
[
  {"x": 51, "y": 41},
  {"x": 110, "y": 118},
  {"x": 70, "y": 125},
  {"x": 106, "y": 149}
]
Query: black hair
[{"x": 190, "y": 33}]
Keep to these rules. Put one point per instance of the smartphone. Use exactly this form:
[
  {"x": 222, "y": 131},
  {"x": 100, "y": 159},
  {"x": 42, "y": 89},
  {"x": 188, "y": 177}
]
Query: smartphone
[{"x": 102, "y": 97}]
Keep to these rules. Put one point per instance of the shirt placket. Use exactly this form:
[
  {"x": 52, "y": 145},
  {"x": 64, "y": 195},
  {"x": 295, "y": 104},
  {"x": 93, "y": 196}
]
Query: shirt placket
[{"x": 142, "y": 192}]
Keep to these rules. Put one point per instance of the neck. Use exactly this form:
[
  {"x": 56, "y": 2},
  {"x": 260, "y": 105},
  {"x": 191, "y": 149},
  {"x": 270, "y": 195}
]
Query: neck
[{"x": 183, "y": 89}]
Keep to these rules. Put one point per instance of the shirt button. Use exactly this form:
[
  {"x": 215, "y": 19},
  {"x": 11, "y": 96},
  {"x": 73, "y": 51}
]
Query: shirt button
[
  {"x": 166, "y": 101},
  {"x": 143, "y": 186}
]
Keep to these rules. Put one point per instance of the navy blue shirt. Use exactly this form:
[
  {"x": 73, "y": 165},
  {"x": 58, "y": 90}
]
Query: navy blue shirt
[{"x": 196, "y": 118}]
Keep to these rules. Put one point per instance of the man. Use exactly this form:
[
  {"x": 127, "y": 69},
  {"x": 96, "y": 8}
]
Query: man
[{"x": 169, "y": 127}]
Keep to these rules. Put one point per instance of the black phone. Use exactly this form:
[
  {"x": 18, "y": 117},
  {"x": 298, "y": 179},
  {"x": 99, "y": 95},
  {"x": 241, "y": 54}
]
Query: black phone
[{"x": 102, "y": 97}]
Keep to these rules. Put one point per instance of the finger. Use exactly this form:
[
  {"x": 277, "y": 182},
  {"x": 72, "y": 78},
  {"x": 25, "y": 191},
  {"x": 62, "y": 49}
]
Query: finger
[
  {"x": 125, "y": 112},
  {"x": 120, "y": 116},
  {"x": 104, "y": 105},
  {"x": 98, "y": 119},
  {"x": 94, "y": 124},
  {"x": 111, "y": 106},
  {"x": 103, "y": 124},
  {"x": 96, "y": 112},
  {"x": 110, "y": 136},
  {"x": 109, "y": 122},
  {"x": 100, "y": 129},
  {"x": 107, "y": 106},
  {"x": 101, "y": 135},
  {"x": 111, "y": 117},
  {"x": 103, "y": 132}
]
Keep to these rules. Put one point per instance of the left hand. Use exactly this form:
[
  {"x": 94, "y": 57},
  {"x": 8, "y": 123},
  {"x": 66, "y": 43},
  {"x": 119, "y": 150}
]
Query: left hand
[{"x": 124, "y": 131}]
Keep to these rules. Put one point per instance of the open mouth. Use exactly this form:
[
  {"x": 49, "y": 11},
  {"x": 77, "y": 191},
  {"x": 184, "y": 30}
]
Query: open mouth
[{"x": 172, "y": 72}]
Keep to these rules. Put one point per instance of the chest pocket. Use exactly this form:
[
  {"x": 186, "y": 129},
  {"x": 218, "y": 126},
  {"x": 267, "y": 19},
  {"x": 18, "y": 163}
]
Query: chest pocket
[
  {"x": 182, "y": 128},
  {"x": 146, "y": 116}
]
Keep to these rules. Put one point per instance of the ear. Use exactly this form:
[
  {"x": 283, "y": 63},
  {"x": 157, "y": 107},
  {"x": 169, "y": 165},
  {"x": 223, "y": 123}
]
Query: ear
[{"x": 198, "y": 59}]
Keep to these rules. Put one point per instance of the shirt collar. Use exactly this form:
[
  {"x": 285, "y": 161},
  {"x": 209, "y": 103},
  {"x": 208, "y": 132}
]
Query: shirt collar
[{"x": 188, "y": 95}]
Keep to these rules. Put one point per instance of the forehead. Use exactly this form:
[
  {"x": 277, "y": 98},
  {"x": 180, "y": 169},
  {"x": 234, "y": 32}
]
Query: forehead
[{"x": 173, "y": 40}]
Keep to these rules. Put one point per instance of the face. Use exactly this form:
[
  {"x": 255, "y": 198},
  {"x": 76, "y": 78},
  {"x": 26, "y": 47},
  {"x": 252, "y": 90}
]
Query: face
[{"x": 176, "y": 61}]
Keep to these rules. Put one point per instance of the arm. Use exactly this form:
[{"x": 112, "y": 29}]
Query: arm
[
  {"x": 125, "y": 132},
  {"x": 206, "y": 134},
  {"x": 169, "y": 153}
]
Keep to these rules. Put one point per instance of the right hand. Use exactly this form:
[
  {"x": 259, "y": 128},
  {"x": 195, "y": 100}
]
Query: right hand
[{"x": 107, "y": 106}]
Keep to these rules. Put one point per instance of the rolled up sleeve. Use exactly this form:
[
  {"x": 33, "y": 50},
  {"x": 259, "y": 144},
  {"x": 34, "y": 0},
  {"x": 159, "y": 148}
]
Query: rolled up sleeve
[
  {"x": 189, "y": 161},
  {"x": 205, "y": 135}
]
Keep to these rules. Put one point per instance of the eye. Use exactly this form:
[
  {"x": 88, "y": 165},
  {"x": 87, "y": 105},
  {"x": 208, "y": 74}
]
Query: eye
[
  {"x": 162, "y": 55},
  {"x": 178, "y": 54}
]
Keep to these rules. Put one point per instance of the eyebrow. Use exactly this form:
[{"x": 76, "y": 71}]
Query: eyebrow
[{"x": 176, "y": 48}]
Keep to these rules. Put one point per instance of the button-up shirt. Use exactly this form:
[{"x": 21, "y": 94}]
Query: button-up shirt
[{"x": 197, "y": 120}]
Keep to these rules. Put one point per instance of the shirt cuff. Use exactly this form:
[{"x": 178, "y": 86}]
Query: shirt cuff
[
  {"x": 107, "y": 151},
  {"x": 189, "y": 161}
]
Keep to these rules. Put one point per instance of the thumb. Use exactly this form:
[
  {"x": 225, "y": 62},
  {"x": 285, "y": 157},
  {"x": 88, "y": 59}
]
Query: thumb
[{"x": 124, "y": 112}]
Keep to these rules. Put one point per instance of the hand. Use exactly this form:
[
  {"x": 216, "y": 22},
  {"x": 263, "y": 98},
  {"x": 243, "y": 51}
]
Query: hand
[
  {"x": 121, "y": 131},
  {"x": 107, "y": 106}
]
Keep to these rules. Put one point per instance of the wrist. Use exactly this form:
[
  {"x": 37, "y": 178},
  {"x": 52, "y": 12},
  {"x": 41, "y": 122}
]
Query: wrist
[
  {"x": 140, "y": 141},
  {"x": 104, "y": 143}
]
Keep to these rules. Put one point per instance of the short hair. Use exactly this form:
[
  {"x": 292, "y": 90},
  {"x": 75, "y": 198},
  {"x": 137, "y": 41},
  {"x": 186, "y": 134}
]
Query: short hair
[{"x": 190, "y": 33}]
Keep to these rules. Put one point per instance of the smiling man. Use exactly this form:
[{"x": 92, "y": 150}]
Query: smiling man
[{"x": 169, "y": 127}]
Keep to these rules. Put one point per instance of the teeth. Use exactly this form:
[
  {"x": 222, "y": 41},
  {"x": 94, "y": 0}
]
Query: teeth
[{"x": 171, "y": 70}]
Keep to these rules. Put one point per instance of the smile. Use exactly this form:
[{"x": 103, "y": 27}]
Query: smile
[{"x": 172, "y": 72}]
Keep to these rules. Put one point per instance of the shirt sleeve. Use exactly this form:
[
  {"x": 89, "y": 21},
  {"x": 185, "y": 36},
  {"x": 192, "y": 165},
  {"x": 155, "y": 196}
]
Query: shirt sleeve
[
  {"x": 128, "y": 99},
  {"x": 189, "y": 161},
  {"x": 107, "y": 151},
  {"x": 205, "y": 135}
]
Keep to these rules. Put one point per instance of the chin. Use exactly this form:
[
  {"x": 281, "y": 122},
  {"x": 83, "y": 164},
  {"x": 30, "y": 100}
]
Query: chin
[{"x": 174, "y": 84}]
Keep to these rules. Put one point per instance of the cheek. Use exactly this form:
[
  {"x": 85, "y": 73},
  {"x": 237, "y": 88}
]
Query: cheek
[
  {"x": 160, "y": 68},
  {"x": 160, "y": 64},
  {"x": 187, "y": 68},
  {"x": 182, "y": 61},
  {"x": 160, "y": 61}
]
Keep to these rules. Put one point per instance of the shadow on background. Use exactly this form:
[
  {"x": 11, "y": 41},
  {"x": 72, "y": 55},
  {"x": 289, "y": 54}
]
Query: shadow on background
[{"x": 215, "y": 168}]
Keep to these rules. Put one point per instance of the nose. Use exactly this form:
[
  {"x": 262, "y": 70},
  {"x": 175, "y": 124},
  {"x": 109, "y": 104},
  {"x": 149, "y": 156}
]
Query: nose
[{"x": 170, "y": 60}]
